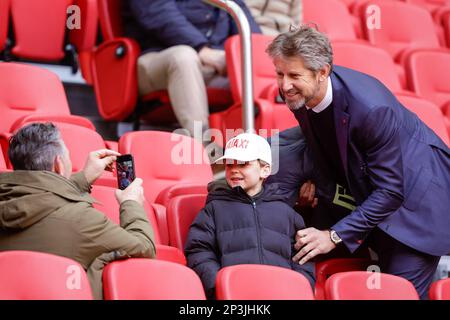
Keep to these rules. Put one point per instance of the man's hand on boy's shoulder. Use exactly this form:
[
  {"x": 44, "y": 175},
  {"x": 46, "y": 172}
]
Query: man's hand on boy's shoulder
[{"x": 306, "y": 195}]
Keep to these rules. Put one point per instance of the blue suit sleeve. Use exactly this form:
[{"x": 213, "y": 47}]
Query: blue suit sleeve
[
  {"x": 165, "y": 21},
  {"x": 202, "y": 252},
  {"x": 381, "y": 142}
]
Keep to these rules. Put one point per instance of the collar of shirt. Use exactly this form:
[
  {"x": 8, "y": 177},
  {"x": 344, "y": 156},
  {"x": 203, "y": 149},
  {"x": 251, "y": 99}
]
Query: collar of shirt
[{"x": 326, "y": 101}]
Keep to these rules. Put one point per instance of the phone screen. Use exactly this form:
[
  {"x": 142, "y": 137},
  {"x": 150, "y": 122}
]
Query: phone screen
[{"x": 125, "y": 170}]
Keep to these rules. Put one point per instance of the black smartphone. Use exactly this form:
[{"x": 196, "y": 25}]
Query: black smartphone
[{"x": 125, "y": 170}]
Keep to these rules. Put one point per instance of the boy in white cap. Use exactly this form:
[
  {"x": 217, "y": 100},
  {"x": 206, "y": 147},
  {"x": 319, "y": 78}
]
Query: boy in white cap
[{"x": 244, "y": 222}]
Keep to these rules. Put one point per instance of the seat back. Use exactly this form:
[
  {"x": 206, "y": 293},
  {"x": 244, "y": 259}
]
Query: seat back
[
  {"x": 331, "y": 17},
  {"x": 429, "y": 113},
  {"x": 84, "y": 38},
  {"x": 440, "y": 290},
  {"x": 421, "y": 69},
  {"x": 163, "y": 159},
  {"x": 4, "y": 20},
  {"x": 176, "y": 190},
  {"x": 40, "y": 117},
  {"x": 26, "y": 89},
  {"x": 261, "y": 282},
  {"x": 110, "y": 19},
  {"x": 110, "y": 207},
  {"x": 356, "y": 56},
  {"x": 80, "y": 141},
  {"x": 39, "y": 28},
  {"x": 263, "y": 70},
  {"x": 399, "y": 30},
  {"x": 181, "y": 212},
  {"x": 149, "y": 279},
  {"x": 26, "y": 275},
  {"x": 326, "y": 268},
  {"x": 363, "y": 285}
]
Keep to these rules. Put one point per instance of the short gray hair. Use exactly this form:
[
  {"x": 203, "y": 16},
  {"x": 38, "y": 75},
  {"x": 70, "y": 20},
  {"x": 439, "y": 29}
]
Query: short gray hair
[
  {"x": 305, "y": 42},
  {"x": 35, "y": 147}
]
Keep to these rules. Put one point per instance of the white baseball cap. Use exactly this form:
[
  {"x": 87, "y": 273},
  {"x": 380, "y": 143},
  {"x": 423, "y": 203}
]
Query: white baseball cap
[{"x": 247, "y": 147}]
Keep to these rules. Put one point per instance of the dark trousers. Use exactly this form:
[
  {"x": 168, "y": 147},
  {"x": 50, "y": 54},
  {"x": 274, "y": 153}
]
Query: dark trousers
[{"x": 398, "y": 259}]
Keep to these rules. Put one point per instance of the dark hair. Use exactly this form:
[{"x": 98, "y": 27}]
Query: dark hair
[
  {"x": 35, "y": 147},
  {"x": 305, "y": 42}
]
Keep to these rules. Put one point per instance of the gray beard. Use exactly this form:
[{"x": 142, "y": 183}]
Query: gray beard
[{"x": 293, "y": 106}]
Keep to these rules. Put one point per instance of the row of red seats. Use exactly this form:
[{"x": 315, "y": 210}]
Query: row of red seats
[
  {"x": 113, "y": 62},
  {"x": 60, "y": 278},
  {"x": 51, "y": 38}
]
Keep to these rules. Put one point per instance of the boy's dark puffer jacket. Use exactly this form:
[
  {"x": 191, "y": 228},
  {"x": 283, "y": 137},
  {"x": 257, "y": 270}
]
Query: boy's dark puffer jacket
[{"x": 235, "y": 229}]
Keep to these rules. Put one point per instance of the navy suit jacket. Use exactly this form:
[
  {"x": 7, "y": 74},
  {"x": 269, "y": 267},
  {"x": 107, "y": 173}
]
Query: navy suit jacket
[{"x": 397, "y": 168}]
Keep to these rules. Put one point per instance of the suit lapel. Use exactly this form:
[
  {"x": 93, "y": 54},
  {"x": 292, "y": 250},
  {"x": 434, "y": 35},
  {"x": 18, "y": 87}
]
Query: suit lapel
[{"x": 341, "y": 121}]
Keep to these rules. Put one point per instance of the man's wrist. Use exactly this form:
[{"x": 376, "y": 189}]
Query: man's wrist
[{"x": 335, "y": 237}]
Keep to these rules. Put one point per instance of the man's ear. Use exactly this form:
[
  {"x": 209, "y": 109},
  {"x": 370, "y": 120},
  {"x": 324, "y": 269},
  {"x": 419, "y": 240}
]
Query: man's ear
[
  {"x": 324, "y": 72},
  {"x": 58, "y": 166}
]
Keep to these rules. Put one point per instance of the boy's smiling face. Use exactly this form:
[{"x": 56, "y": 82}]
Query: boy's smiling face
[{"x": 249, "y": 175}]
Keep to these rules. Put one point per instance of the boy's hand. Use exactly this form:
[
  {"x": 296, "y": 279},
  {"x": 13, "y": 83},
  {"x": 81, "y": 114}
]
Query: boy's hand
[{"x": 306, "y": 195}]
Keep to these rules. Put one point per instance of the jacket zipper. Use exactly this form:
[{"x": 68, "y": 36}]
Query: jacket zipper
[{"x": 258, "y": 232}]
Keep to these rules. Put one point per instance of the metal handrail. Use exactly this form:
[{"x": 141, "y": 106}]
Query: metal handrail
[{"x": 238, "y": 15}]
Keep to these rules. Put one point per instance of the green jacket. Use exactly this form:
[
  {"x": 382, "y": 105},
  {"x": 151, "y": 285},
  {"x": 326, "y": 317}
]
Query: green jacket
[{"x": 43, "y": 211}]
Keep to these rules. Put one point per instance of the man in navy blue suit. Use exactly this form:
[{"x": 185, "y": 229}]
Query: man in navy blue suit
[{"x": 391, "y": 171}]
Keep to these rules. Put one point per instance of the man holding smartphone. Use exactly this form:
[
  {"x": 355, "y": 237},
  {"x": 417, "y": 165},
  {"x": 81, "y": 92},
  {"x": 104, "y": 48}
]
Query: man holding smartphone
[{"x": 43, "y": 207}]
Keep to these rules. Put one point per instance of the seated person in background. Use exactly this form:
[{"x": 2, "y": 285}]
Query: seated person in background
[
  {"x": 182, "y": 44},
  {"x": 244, "y": 222},
  {"x": 44, "y": 208},
  {"x": 275, "y": 16}
]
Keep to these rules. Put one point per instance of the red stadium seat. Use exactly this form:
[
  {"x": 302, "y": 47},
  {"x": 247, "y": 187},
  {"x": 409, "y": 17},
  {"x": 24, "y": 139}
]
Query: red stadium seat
[
  {"x": 38, "y": 34},
  {"x": 398, "y": 33},
  {"x": 26, "y": 275},
  {"x": 114, "y": 74},
  {"x": 421, "y": 69},
  {"x": 164, "y": 197},
  {"x": 356, "y": 56},
  {"x": 429, "y": 113},
  {"x": 325, "y": 269},
  {"x": 171, "y": 254},
  {"x": 149, "y": 279},
  {"x": 27, "y": 90},
  {"x": 109, "y": 206},
  {"x": 163, "y": 159},
  {"x": 440, "y": 290},
  {"x": 85, "y": 38},
  {"x": 4, "y": 20},
  {"x": 261, "y": 282},
  {"x": 331, "y": 17},
  {"x": 176, "y": 190},
  {"x": 181, "y": 212},
  {"x": 357, "y": 285}
]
